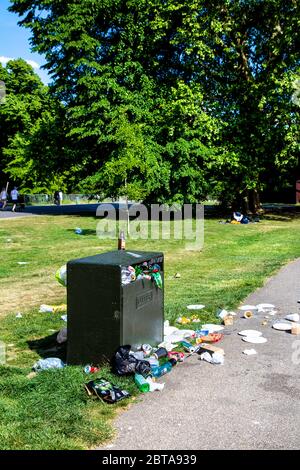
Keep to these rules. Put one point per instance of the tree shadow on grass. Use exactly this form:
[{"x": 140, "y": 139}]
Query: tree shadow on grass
[{"x": 48, "y": 347}]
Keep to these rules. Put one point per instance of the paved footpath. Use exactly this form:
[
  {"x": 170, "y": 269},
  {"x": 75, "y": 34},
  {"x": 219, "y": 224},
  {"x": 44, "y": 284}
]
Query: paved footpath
[{"x": 251, "y": 402}]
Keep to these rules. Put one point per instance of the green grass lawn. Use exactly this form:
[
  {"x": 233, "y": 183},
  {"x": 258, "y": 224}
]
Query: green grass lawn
[{"x": 52, "y": 410}]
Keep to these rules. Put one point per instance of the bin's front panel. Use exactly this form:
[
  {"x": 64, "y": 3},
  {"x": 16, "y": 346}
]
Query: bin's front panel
[
  {"x": 143, "y": 315},
  {"x": 93, "y": 312}
]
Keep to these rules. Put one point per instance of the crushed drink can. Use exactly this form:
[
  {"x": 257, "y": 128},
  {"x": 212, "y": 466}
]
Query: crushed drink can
[
  {"x": 147, "y": 349},
  {"x": 179, "y": 356},
  {"x": 90, "y": 369}
]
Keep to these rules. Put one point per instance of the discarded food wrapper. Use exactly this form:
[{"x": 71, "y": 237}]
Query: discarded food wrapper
[
  {"x": 78, "y": 231},
  {"x": 106, "y": 391},
  {"x": 45, "y": 309},
  {"x": 177, "y": 276},
  {"x": 249, "y": 352},
  {"x": 19, "y": 315},
  {"x": 179, "y": 335},
  {"x": 215, "y": 358},
  {"x": 49, "y": 363},
  {"x": 293, "y": 317},
  {"x": 62, "y": 336},
  {"x": 210, "y": 338}
]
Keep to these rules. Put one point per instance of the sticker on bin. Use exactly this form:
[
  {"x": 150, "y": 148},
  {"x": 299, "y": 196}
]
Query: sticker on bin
[{"x": 144, "y": 299}]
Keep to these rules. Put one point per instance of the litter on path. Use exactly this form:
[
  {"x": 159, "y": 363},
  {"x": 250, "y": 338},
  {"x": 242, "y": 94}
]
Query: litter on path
[{"x": 249, "y": 352}]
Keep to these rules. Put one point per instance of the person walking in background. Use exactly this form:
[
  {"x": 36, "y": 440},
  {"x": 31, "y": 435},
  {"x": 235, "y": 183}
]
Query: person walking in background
[
  {"x": 3, "y": 198},
  {"x": 56, "y": 198},
  {"x": 14, "y": 197},
  {"x": 60, "y": 197}
]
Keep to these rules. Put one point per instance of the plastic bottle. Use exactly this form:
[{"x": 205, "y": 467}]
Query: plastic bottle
[
  {"x": 141, "y": 383},
  {"x": 122, "y": 241},
  {"x": 161, "y": 370},
  {"x": 187, "y": 346}
]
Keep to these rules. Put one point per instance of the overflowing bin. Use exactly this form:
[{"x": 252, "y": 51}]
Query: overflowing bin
[{"x": 106, "y": 310}]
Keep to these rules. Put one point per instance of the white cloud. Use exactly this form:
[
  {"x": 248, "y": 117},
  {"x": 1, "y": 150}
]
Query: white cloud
[
  {"x": 33, "y": 64},
  {"x": 4, "y": 60}
]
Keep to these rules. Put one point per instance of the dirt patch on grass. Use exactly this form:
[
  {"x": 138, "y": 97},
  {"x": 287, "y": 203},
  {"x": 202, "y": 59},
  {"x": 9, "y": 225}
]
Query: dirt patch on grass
[{"x": 20, "y": 295}]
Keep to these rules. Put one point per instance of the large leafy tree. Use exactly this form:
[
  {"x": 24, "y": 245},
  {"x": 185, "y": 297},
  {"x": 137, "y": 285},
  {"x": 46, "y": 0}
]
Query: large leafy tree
[
  {"x": 172, "y": 99},
  {"x": 249, "y": 84},
  {"x": 33, "y": 150},
  {"x": 132, "y": 104}
]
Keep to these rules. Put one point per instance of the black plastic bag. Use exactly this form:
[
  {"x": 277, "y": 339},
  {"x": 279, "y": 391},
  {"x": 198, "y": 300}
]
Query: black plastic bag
[{"x": 124, "y": 363}]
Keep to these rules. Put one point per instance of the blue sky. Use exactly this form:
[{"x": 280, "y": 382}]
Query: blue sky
[{"x": 14, "y": 41}]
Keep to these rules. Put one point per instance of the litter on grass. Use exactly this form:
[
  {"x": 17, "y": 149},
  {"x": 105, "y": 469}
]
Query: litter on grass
[
  {"x": 52, "y": 308},
  {"x": 195, "y": 307},
  {"x": 49, "y": 363}
]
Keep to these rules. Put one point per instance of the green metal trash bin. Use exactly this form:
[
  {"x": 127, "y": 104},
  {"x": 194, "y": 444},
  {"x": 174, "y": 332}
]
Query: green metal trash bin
[{"x": 103, "y": 314}]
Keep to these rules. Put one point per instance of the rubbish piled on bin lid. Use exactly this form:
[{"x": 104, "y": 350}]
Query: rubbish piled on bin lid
[{"x": 147, "y": 270}]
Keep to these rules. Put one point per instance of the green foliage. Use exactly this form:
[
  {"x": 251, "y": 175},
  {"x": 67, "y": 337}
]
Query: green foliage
[{"x": 168, "y": 101}]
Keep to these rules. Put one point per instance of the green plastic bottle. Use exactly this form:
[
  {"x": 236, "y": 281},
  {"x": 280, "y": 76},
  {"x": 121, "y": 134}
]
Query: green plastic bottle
[{"x": 141, "y": 383}]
